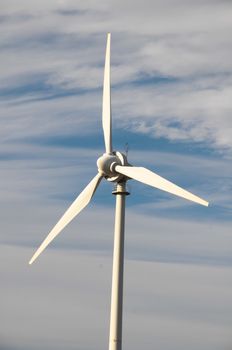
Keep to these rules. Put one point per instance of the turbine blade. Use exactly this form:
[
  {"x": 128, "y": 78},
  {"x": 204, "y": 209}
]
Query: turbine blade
[
  {"x": 149, "y": 178},
  {"x": 76, "y": 207},
  {"x": 106, "y": 103}
]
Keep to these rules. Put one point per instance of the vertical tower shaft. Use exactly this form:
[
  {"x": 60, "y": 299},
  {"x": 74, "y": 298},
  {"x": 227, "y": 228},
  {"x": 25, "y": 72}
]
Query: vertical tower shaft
[{"x": 115, "y": 339}]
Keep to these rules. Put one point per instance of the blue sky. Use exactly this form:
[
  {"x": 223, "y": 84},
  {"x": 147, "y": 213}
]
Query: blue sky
[{"x": 171, "y": 102}]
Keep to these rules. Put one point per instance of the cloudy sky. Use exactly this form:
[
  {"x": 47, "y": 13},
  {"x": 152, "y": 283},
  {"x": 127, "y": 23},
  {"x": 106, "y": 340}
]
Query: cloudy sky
[{"x": 171, "y": 102}]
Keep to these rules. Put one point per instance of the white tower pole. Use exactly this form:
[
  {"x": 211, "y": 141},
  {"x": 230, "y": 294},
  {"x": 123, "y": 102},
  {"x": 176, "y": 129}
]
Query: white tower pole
[{"x": 115, "y": 339}]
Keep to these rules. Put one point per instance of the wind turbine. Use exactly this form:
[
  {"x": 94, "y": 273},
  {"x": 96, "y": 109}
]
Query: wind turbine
[{"x": 114, "y": 167}]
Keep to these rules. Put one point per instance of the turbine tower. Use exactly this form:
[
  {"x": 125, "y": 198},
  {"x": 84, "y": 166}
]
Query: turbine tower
[{"x": 113, "y": 166}]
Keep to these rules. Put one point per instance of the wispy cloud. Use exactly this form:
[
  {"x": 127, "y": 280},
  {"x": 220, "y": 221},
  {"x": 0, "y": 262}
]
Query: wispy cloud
[
  {"x": 171, "y": 85},
  {"x": 189, "y": 42}
]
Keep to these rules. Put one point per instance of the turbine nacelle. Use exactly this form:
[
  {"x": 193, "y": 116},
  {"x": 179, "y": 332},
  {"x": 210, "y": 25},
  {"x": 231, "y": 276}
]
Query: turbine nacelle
[{"x": 107, "y": 163}]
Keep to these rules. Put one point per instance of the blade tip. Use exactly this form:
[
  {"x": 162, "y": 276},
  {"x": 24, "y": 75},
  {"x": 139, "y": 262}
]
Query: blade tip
[
  {"x": 32, "y": 259},
  {"x": 206, "y": 204},
  {"x": 109, "y": 37}
]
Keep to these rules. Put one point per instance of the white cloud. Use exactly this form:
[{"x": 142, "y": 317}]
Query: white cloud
[
  {"x": 178, "y": 278},
  {"x": 63, "y": 42}
]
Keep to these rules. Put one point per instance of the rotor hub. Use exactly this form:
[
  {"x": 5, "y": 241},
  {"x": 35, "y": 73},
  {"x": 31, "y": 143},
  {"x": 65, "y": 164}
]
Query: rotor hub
[{"x": 106, "y": 165}]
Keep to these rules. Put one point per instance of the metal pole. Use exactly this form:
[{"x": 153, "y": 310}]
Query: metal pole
[{"x": 115, "y": 339}]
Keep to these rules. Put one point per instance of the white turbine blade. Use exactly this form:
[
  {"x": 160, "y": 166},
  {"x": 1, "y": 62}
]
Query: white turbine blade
[
  {"x": 80, "y": 203},
  {"x": 106, "y": 104},
  {"x": 149, "y": 178}
]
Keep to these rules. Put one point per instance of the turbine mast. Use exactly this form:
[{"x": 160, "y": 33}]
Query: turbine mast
[{"x": 115, "y": 339}]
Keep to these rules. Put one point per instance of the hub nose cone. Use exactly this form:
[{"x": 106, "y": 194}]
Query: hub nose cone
[{"x": 106, "y": 165}]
